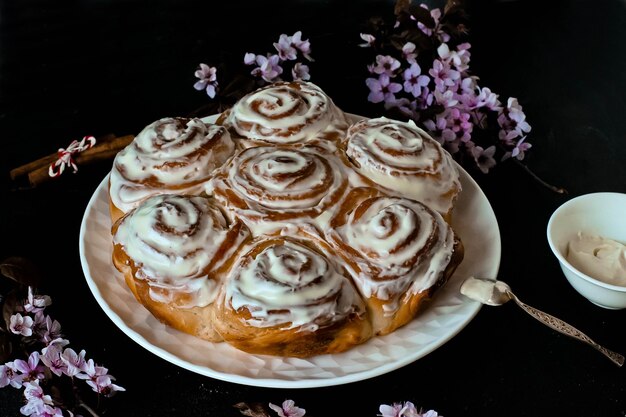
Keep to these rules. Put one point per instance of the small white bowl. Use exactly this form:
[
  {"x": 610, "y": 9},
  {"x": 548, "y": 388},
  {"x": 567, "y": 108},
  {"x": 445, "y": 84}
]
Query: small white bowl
[{"x": 598, "y": 214}]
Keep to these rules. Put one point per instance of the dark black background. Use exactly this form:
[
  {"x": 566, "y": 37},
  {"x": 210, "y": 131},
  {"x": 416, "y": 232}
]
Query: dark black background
[{"x": 75, "y": 67}]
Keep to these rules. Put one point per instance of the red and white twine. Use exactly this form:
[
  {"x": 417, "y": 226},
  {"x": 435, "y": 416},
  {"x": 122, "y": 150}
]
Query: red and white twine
[{"x": 65, "y": 156}]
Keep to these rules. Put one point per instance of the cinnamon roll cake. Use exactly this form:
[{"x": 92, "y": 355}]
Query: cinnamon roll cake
[{"x": 281, "y": 231}]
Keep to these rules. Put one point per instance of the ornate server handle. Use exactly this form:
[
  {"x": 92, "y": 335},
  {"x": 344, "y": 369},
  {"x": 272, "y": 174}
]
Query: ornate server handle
[{"x": 568, "y": 330}]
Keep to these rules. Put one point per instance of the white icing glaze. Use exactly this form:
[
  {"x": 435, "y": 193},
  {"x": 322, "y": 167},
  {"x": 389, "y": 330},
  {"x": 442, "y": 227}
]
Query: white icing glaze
[
  {"x": 403, "y": 158},
  {"x": 171, "y": 154},
  {"x": 408, "y": 244},
  {"x": 286, "y": 113},
  {"x": 172, "y": 240},
  {"x": 295, "y": 184},
  {"x": 288, "y": 283}
]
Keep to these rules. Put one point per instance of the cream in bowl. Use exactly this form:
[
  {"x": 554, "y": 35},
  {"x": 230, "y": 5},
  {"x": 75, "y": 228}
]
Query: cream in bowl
[
  {"x": 601, "y": 258},
  {"x": 587, "y": 235}
]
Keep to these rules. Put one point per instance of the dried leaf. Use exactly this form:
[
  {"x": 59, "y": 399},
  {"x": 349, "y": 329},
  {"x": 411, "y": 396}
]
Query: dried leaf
[
  {"x": 455, "y": 21},
  {"x": 21, "y": 270},
  {"x": 252, "y": 410},
  {"x": 6, "y": 347},
  {"x": 11, "y": 304},
  {"x": 422, "y": 15},
  {"x": 401, "y": 6}
]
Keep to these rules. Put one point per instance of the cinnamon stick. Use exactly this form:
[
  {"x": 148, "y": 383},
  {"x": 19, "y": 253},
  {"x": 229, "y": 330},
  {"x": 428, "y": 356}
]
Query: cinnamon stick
[
  {"x": 115, "y": 143},
  {"x": 41, "y": 174},
  {"x": 106, "y": 140},
  {"x": 106, "y": 147}
]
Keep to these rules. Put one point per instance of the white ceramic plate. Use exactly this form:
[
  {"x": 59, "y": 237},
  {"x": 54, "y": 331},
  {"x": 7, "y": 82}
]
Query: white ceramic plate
[{"x": 448, "y": 313}]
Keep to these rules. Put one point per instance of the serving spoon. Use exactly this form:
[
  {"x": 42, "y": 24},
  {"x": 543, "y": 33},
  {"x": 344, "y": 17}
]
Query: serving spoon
[{"x": 497, "y": 293}]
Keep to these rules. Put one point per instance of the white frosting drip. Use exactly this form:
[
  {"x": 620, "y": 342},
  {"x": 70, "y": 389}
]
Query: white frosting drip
[
  {"x": 172, "y": 240},
  {"x": 286, "y": 113},
  {"x": 405, "y": 159},
  {"x": 288, "y": 283},
  {"x": 390, "y": 234},
  {"x": 169, "y": 154}
]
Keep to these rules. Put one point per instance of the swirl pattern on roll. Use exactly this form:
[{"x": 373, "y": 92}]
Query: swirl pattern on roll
[
  {"x": 176, "y": 242},
  {"x": 287, "y": 282},
  {"x": 169, "y": 155},
  {"x": 403, "y": 158},
  {"x": 273, "y": 184},
  {"x": 287, "y": 113},
  {"x": 394, "y": 244}
]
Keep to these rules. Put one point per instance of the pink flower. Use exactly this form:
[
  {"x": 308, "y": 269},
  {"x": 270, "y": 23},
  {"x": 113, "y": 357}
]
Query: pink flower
[
  {"x": 424, "y": 100},
  {"x": 408, "y": 52},
  {"x": 207, "y": 80},
  {"x": 288, "y": 409},
  {"x": 286, "y": 50},
  {"x": 303, "y": 45},
  {"x": 459, "y": 59},
  {"x": 443, "y": 75},
  {"x": 447, "y": 99},
  {"x": 457, "y": 121},
  {"x": 30, "y": 369},
  {"x": 36, "y": 303},
  {"x": 399, "y": 410},
  {"x": 98, "y": 379},
  {"x": 21, "y": 325},
  {"x": 519, "y": 150},
  {"x": 52, "y": 359},
  {"x": 268, "y": 67},
  {"x": 382, "y": 89},
  {"x": 431, "y": 413},
  {"x": 369, "y": 40},
  {"x": 414, "y": 81},
  {"x": 103, "y": 385},
  {"x": 74, "y": 361},
  {"x": 45, "y": 328},
  {"x": 300, "y": 72},
  {"x": 512, "y": 120},
  {"x": 484, "y": 157},
  {"x": 9, "y": 376},
  {"x": 34, "y": 393},
  {"x": 386, "y": 65},
  {"x": 486, "y": 98},
  {"x": 438, "y": 128},
  {"x": 249, "y": 58},
  {"x": 44, "y": 410}
]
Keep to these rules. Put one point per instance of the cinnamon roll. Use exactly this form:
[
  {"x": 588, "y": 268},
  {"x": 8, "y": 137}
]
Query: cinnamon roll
[
  {"x": 171, "y": 155},
  {"x": 174, "y": 251},
  {"x": 398, "y": 251},
  {"x": 268, "y": 186},
  {"x": 404, "y": 160},
  {"x": 286, "y": 296},
  {"x": 286, "y": 113}
]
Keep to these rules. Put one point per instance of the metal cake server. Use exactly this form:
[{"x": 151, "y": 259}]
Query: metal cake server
[{"x": 496, "y": 293}]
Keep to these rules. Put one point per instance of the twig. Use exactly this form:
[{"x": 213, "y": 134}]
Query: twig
[
  {"x": 88, "y": 409},
  {"x": 558, "y": 190}
]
